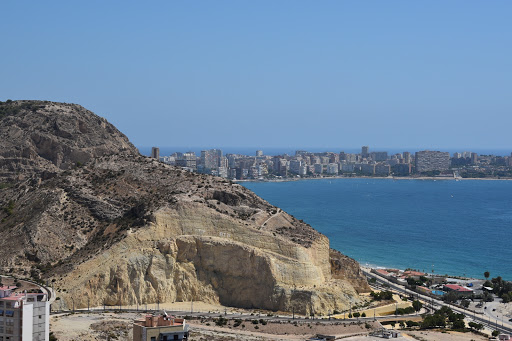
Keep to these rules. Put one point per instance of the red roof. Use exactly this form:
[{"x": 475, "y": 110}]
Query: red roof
[
  {"x": 382, "y": 272},
  {"x": 7, "y": 287},
  {"x": 458, "y": 288},
  {"x": 414, "y": 273},
  {"x": 13, "y": 298}
]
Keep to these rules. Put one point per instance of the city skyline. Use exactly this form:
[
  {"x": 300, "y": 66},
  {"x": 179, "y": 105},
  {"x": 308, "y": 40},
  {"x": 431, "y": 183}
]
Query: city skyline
[
  {"x": 250, "y": 150},
  {"x": 366, "y": 162}
]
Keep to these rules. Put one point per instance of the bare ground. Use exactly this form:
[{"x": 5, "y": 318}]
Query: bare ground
[{"x": 95, "y": 327}]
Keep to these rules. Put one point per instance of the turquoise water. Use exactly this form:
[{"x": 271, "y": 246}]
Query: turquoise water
[{"x": 455, "y": 227}]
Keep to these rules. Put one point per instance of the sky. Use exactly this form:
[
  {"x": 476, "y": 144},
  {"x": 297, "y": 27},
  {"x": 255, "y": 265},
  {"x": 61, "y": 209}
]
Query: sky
[{"x": 319, "y": 74}]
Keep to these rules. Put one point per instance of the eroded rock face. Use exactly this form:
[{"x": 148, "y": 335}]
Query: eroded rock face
[{"x": 125, "y": 228}]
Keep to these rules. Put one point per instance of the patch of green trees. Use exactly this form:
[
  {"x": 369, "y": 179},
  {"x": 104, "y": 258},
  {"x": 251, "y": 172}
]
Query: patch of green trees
[
  {"x": 442, "y": 318},
  {"x": 382, "y": 296}
]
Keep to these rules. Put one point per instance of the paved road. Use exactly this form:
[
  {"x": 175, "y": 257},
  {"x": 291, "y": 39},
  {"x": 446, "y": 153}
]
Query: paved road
[
  {"x": 492, "y": 314},
  {"x": 435, "y": 304},
  {"x": 50, "y": 294},
  {"x": 238, "y": 316}
]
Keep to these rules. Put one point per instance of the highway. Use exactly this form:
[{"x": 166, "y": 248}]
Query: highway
[{"x": 435, "y": 304}]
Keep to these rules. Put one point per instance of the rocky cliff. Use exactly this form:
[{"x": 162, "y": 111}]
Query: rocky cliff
[{"x": 109, "y": 225}]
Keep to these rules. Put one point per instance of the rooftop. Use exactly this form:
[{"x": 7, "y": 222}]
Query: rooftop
[
  {"x": 413, "y": 273},
  {"x": 19, "y": 296},
  {"x": 382, "y": 272},
  {"x": 160, "y": 321},
  {"x": 8, "y": 287},
  {"x": 458, "y": 288}
]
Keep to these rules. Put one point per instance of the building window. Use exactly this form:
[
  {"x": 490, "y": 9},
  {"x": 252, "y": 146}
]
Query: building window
[
  {"x": 153, "y": 338},
  {"x": 9, "y": 313}
]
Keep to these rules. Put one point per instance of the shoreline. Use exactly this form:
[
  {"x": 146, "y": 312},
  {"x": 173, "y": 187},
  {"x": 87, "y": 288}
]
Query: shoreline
[
  {"x": 368, "y": 267},
  {"x": 372, "y": 178}
]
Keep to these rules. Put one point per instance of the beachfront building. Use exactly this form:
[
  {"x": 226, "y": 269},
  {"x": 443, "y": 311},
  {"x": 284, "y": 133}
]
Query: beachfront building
[
  {"x": 462, "y": 291},
  {"x": 24, "y": 316},
  {"x": 332, "y": 169},
  {"x": 427, "y": 161},
  {"x": 160, "y": 328},
  {"x": 382, "y": 169}
]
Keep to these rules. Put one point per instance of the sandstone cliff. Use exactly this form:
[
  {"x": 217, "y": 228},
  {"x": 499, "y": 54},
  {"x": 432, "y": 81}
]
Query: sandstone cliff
[{"x": 114, "y": 226}]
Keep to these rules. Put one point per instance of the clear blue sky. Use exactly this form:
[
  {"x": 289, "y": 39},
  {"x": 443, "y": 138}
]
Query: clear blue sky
[{"x": 426, "y": 74}]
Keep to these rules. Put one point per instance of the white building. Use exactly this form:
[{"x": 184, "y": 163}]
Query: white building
[
  {"x": 332, "y": 168},
  {"x": 25, "y": 316}
]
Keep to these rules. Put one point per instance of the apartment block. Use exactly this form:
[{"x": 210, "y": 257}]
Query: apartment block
[
  {"x": 24, "y": 316},
  {"x": 332, "y": 169},
  {"x": 427, "y": 161}
]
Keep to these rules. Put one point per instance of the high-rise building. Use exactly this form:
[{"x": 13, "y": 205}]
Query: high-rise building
[
  {"x": 155, "y": 153},
  {"x": 382, "y": 169},
  {"x": 474, "y": 158},
  {"x": 368, "y": 168},
  {"x": 332, "y": 168},
  {"x": 407, "y": 157},
  {"x": 259, "y": 153},
  {"x": 364, "y": 151},
  {"x": 427, "y": 161},
  {"x": 25, "y": 316},
  {"x": 318, "y": 168},
  {"x": 186, "y": 160},
  {"x": 295, "y": 166},
  {"x": 211, "y": 159},
  {"x": 402, "y": 169},
  {"x": 379, "y": 156}
]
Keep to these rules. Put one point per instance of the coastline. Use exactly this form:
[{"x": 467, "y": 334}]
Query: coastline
[
  {"x": 372, "y": 205},
  {"x": 444, "y": 178}
]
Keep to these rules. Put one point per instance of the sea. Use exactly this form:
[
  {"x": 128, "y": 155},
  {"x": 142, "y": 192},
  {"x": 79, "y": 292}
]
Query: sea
[{"x": 459, "y": 228}]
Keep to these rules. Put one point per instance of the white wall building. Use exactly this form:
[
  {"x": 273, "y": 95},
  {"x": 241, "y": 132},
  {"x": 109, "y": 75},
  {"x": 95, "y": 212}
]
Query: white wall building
[{"x": 24, "y": 316}]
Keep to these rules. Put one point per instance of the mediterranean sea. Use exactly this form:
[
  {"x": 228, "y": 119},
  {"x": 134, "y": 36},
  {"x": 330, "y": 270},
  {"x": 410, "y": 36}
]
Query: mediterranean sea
[{"x": 460, "y": 228}]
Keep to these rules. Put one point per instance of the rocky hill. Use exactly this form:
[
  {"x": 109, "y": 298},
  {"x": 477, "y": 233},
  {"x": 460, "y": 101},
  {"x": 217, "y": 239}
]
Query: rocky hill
[
  {"x": 45, "y": 137},
  {"x": 107, "y": 225}
]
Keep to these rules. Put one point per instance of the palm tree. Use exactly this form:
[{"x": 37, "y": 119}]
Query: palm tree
[{"x": 486, "y": 275}]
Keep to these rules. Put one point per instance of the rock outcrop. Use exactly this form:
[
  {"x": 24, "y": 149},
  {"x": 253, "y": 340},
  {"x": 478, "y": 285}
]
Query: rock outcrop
[
  {"x": 45, "y": 137},
  {"x": 114, "y": 226}
]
